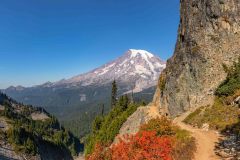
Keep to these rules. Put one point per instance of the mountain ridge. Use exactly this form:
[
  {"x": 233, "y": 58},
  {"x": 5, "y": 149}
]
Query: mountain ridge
[
  {"x": 135, "y": 71},
  {"x": 154, "y": 67}
]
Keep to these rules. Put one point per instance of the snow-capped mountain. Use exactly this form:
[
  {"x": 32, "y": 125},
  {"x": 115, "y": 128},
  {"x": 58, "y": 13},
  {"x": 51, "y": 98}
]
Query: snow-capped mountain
[
  {"x": 136, "y": 70},
  {"x": 139, "y": 68}
]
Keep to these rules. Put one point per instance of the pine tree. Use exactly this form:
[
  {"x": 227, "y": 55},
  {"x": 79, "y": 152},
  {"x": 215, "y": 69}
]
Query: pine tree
[
  {"x": 102, "y": 109},
  {"x": 30, "y": 147},
  {"x": 123, "y": 101},
  {"x": 132, "y": 97},
  {"x": 114, "y": 94}
]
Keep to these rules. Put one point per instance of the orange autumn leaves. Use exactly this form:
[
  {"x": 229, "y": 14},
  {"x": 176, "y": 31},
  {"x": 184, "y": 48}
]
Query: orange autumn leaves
[
  {"x": 156, "y": 140},
  {"x": 143, "y": 145}
]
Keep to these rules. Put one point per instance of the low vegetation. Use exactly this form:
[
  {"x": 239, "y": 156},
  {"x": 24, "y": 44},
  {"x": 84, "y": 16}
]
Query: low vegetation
[
  {"x": 232, "y": 82},
  {"x": 224, "y": 113},
  {"x": 158, "y": 139},
  {"x": 218, "y": 116},
  {"x": 183, "y": 145},
  {"x": 162, "y": 82},
  {"x": 234, "y": 128}
]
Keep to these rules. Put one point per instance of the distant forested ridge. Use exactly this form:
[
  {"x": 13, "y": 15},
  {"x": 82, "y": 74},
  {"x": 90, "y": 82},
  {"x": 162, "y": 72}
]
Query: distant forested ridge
[{"x": 32, "y": 132}]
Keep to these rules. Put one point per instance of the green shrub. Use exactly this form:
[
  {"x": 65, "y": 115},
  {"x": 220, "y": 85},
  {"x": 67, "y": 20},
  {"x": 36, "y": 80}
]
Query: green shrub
[
  {"x": 30, "y": 146},
  {"x": 232, "y": 82},
  {"x": 193, "y": 115}
]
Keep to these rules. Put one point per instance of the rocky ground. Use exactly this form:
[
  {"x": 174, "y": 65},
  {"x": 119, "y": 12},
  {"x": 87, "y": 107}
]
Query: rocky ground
[
  {"x": 229, "y": 147},
  {"x": 39, "y": 116},
  {"x": 7, "y": 153}
]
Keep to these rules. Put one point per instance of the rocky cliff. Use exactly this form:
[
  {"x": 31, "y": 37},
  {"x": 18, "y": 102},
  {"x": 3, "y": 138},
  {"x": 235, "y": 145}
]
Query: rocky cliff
[{"x": 208, "y": 36}]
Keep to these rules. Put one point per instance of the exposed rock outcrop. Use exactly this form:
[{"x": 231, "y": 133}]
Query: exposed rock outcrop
[
  {"x": 208, "y": 36},
  {"x": 141, "y": 116}
]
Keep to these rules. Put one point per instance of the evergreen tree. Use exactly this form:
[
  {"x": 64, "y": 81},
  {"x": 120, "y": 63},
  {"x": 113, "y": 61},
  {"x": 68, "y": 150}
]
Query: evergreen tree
[
  {"x": 123, "y": 102},
  {"x": 102, "y": 109},
  {"x": 30, "y": 146},
  {"x": 132, "y": 97},
  {"x": 114, "y": 94},
  {"x": 232, "y": 82}
]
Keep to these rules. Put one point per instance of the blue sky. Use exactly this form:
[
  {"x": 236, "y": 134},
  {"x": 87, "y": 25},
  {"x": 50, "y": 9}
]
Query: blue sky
[{"x": 47, "y": 40}]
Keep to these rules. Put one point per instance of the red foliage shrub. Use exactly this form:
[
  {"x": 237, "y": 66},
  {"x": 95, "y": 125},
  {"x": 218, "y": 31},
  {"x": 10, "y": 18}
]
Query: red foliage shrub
[{"x": 144, "y": 145}]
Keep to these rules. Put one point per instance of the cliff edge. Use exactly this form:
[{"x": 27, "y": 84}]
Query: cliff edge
[{"x": 208, "y": 37}]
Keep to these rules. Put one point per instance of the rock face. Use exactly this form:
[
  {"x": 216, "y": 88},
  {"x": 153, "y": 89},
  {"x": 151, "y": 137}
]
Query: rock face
[
  {"x": 141, "y": 116},
  {"x": 208, "y": 36}
]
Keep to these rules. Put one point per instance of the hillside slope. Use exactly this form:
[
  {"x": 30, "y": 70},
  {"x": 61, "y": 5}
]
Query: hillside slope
[{"x": 32, "y": 133}]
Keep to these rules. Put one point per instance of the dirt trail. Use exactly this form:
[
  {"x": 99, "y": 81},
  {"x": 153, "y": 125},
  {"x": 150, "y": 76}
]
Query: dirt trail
[
  {"x": 206, "y": 140},
  {"x": 80, "y": 157},
  {"x": 153, "y": 111}
]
